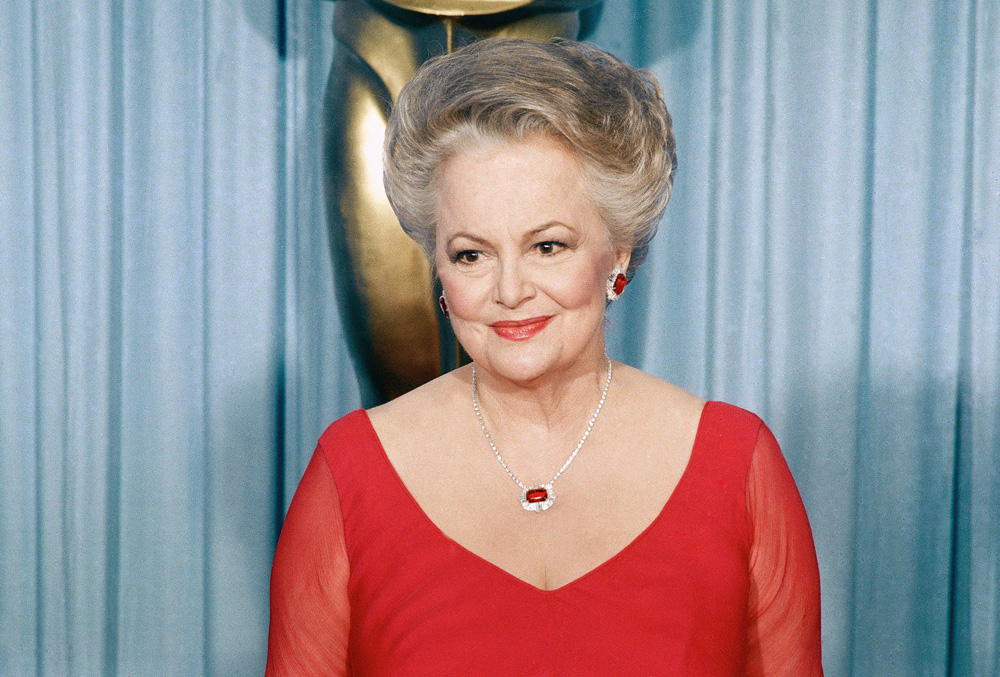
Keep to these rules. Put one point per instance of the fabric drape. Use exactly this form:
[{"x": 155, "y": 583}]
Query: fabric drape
[{"x": 170, "y": 349}]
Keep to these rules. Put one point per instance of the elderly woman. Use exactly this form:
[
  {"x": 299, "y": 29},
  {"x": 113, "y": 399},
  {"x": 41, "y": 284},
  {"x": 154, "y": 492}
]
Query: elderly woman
[{"x": 543, "y": 510}]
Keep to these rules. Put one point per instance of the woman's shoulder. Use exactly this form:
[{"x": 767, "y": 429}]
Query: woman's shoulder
[
  {"x": 661, "y": 403},
  {"x": 650, "y": 398},
  {"x": 350, "y": 425},
  {"x": 424, "y": 411},
  {"x": 418, "y": 419}
]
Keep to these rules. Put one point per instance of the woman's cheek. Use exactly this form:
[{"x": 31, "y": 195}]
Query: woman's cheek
[
  {"x": 465, "y": 297},
  {"x": 576, "y": 289}
]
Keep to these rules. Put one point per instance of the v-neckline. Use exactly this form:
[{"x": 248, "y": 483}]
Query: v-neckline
[{"x": 631, "y": 545}]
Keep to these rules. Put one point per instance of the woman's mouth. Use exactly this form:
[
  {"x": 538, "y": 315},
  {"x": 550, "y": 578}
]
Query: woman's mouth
[{"x": 520, "y": 330}]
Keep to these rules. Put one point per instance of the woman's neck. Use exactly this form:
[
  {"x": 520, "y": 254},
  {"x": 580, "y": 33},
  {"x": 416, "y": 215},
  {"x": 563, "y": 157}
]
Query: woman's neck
[{"x": 555, "y": 405}]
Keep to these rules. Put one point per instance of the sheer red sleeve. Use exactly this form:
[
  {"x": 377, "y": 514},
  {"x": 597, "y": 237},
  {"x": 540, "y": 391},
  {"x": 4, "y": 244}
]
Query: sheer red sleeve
[
  {"x": 310, "y": 613},
  {"x": 784, "y": 617}
]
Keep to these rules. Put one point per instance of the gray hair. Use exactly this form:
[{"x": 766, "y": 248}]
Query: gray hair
[{"x": 610, "y": 115}]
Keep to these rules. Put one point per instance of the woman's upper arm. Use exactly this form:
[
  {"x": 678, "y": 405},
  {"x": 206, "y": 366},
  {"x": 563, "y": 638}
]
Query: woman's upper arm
[
  {"x": 310, "y": 612},
  {"x": 784, "y": 616}
]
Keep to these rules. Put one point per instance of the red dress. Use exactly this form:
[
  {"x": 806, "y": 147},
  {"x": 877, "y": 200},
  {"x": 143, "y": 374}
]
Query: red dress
[{"x": 723, "y": 582}]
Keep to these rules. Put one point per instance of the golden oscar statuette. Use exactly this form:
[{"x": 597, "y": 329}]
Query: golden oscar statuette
[{"x": 385, "y": 290}]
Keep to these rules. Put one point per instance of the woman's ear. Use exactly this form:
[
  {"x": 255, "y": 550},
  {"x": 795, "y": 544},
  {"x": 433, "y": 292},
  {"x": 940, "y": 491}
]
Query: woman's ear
[{"x": 623, "y": 258}]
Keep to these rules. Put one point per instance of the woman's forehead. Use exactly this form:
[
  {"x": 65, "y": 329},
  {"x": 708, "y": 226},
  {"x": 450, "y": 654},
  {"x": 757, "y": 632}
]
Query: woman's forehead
[{"x": 512, "y": 191}]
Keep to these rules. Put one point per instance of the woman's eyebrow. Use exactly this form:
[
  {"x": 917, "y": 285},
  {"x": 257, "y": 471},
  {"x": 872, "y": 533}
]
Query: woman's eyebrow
[
  {"x": 527, "y": 236},
  {"x": 468, "y": 236},
  {"x": 542, "y": 228}
]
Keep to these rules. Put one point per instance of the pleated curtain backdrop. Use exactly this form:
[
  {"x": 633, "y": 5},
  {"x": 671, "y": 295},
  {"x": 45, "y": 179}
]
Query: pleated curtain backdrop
[{"x": 170, "y": 348}]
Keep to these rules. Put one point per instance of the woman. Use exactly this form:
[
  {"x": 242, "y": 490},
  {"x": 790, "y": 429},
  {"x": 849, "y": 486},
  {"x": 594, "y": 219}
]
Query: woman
[{"x": 543, "y": 510}]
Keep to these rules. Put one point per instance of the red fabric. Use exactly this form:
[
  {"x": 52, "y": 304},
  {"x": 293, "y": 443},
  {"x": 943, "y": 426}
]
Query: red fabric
[{"x": 723, "y": 582}]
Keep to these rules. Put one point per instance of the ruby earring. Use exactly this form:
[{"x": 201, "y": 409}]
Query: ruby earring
[
  {"x": 616, "y": 283},
  {"x": 444, "y": 305}
]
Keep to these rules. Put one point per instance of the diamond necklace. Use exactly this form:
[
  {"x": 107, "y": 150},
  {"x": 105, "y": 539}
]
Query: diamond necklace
[{"x": 538, "y": 497}]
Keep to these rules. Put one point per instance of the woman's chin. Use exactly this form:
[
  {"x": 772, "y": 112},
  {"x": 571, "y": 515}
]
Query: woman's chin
[
  {"x": 525, "y": 365},
  {"x": 539, "y": 357}
]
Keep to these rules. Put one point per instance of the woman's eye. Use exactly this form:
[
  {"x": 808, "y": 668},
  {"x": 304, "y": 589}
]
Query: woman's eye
[
  {"x": 467, "y": 256},
  {"x": 550, "y": 247}
]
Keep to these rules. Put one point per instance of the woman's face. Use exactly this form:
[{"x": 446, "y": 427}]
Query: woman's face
[{"x": 523, "y": 257}]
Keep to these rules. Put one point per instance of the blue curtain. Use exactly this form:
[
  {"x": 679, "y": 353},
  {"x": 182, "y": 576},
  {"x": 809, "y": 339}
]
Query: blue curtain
[{"x": 170, "y": 348}]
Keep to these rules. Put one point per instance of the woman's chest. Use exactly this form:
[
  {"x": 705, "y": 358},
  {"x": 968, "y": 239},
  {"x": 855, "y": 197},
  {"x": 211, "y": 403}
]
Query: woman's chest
[
  {"x": 611, "y": 493},
  {"x": 672, "y": 601}
]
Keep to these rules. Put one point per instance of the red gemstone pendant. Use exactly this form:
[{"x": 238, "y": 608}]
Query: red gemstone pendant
[
  {"x": 537, "y": 498},
  {"x": 536, "y": 495}
]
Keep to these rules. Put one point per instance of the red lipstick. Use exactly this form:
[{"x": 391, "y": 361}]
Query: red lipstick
[{"x": 520, "y": 330}]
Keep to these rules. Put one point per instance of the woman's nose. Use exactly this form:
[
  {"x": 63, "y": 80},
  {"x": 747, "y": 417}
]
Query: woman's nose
[{"x": 512, "y": 286}]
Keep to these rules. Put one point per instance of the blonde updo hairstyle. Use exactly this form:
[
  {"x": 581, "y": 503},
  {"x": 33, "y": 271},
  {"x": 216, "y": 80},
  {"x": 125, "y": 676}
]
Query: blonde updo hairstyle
[{"x": 610, "y": 115}]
